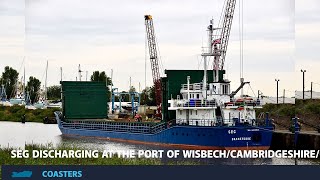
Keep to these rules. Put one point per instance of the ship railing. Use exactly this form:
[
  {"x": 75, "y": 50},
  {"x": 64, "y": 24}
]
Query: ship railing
[
  {"x": 158, "y": 128},
  {"x": 215, "y": 122},
  {"x": 133, "y": 127},
  {"x": 196, "y": 122},
  {"x": 193, "y": 103},
  {"x": 248, "y": 103}
]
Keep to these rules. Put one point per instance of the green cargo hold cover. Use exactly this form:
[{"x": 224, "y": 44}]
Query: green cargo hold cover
[{"x": 84, "y": 100}]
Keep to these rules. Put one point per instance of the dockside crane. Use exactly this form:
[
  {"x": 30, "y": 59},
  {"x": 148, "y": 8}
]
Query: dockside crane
[
  {"x": 154, "y": 60},
  {"x": 226, "y": 29},
  {"x": 220, "y": 45}
]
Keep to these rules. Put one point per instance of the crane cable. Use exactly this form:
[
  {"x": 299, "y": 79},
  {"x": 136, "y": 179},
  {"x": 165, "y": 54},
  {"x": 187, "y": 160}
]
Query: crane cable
[
  {"x": 159, "y": 56},
  {"x": 241, "y": 36},
  {"x": 145, "y": 62}
]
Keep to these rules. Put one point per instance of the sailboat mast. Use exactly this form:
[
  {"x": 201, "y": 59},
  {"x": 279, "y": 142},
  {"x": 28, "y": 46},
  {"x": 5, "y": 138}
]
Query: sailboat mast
[
  {"x": 45, "y": 85},
  {"x": 24, "y": 83}
]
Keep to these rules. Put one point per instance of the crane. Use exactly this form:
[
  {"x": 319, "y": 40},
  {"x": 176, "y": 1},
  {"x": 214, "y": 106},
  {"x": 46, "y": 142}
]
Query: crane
[
  {"x": 154, "y": 61},
  {"x": 220, "y": 45}
]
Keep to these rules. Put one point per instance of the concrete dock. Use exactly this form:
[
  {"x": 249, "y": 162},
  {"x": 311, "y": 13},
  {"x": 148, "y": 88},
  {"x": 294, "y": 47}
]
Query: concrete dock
[{"x": 284, "y": 139}]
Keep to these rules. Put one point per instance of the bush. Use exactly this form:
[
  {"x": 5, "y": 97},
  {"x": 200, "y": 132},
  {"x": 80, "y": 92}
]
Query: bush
[
  {"x": 313, "y": 108},
  {"x": 15, "y": 113},
  {"x": 289, "y": 110}
]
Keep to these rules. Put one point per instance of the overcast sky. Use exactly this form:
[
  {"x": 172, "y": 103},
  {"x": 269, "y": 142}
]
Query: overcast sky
[
  {"x": 110, "y": 34},
  {"x": 308, "y": 43}
]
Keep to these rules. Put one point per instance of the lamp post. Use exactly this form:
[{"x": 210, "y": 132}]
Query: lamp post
[
  {"x": 303, "y": 71},
  {"x": 277, "y": 80},
  {"x": 311, "y": 90}
]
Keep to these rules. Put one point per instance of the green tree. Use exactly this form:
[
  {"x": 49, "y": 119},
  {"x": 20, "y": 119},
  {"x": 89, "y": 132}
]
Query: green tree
[
  {"x": 33, "y": 86},
  {"x": 152, "y": 96},
  {"x": 54, "y": 92},
  {"x": 102, "y": 77},
  {"x": 145, "y": 96},
  {"x": 9, "y": 78},
  {"x": 132, "y": 89},
  {"x": 148, "y": 96},
  {"x": 125, "y": 97}
]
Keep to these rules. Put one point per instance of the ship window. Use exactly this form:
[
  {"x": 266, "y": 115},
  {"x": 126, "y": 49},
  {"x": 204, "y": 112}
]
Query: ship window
[
  {"x": 172, "y": 134},
  {"x": 180, "y": 112},
  {"x": 191, "y": 112},
  {"x": 198, "y": 96},
  {"x": 196, "y": 112}
]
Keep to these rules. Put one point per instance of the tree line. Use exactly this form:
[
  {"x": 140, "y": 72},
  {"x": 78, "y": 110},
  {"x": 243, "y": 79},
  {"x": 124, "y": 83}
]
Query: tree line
[{"x": 10, "y": 77}]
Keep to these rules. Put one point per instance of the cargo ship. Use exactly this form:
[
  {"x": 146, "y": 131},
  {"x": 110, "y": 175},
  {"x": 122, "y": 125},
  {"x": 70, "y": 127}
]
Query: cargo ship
[
  {"x": 199, "y": 123},
  {"x": 205, "y": 117},
  {"x": 199, "y": 111}
]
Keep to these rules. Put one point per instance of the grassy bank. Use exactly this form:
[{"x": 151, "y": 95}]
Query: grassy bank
[
  {"x": 15, "y": 113},
  {"x": 301, "y": 107},
  {"x": 307, "y": 110}
]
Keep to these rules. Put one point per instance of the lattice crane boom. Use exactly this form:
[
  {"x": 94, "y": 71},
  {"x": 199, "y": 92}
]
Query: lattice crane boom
[
  {"x": 225, "y": 34},
  {"x": 153, "y": 53}
]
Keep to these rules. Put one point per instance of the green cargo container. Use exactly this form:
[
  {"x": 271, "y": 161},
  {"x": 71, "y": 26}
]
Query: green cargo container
[
  {"x": 84, "y": 100},
  {"x": 171, "y": 85}
]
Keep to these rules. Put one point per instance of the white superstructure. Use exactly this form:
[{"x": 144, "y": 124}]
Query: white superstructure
[{"x": 212, "y": 103}]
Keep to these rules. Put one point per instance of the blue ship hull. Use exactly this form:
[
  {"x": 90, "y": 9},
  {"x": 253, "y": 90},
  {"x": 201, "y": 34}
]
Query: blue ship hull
[{"x": 202, "y": 137}]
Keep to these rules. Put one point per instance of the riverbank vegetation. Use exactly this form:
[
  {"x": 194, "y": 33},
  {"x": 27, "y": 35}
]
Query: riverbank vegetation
[
  {"x": 301, "y": 107},
  {"x": 307, "y": 110},
  {"x": 15, "y": 113}
]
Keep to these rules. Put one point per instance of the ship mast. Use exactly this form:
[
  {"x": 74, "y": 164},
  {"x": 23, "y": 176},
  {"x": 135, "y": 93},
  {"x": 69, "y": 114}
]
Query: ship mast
[
  {"x": 45, "y": 86},
  {"x": 208, "y": 52}
]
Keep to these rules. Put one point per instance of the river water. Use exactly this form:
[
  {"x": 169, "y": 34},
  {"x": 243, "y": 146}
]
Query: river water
[{"x": 14, "y": 134}]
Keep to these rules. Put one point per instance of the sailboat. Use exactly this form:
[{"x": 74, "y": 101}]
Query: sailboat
[
  {"x": 3, "y": 96},
  {"x": 19, "y": 94},
  {"x": 28, "y": 102},
  {"x": 42, "y": 102}
]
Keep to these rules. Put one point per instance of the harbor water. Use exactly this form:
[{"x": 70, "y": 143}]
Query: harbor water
[{"x": 16, "y": 135}]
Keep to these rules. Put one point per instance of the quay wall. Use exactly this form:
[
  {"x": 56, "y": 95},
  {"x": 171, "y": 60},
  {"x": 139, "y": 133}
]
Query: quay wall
[{"x": 285, "y": 140}]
